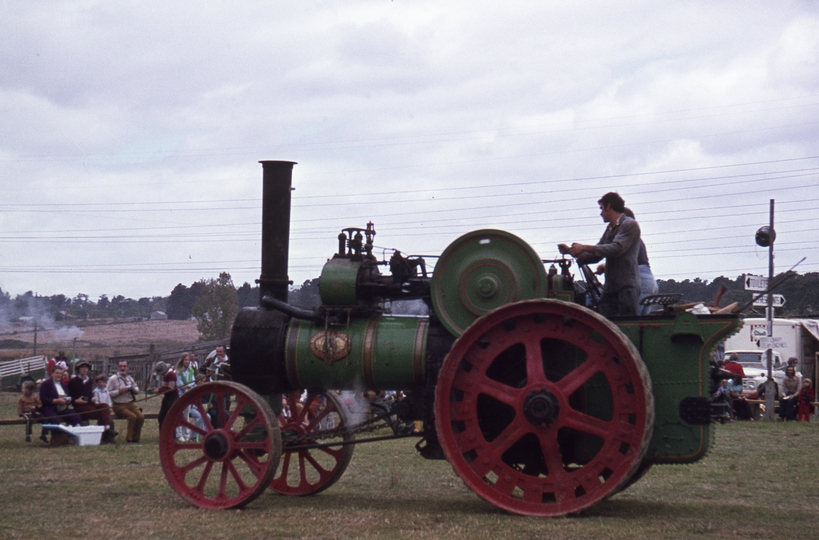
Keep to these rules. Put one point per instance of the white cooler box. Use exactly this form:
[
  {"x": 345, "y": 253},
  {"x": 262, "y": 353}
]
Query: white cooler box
[{"x": 83, "y": 435}]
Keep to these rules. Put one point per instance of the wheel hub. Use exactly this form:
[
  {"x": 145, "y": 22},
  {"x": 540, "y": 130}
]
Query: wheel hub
[
  {"x": 216, "y": 446},
  {"x": 541, "y": 408}
]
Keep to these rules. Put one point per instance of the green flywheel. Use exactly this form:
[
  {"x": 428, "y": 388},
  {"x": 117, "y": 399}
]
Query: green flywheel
[{"x": 483, "y": 270}]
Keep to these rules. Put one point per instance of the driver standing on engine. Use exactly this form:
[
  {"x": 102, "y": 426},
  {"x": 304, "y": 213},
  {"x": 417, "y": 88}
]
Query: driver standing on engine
[{"x": 619, "y": 246}]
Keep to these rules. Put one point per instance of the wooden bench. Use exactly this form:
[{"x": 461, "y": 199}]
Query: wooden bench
[{"x": 22, "y": 421}]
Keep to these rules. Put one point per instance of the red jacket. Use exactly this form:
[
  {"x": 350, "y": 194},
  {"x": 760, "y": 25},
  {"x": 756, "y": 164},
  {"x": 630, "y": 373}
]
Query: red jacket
[
  {"x": 805, "y": 396},
  {"x": 735, "y": 368}
]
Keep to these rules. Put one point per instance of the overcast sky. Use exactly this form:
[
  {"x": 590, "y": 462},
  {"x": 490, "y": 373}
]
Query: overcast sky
[{"x": 131, "y": 132}]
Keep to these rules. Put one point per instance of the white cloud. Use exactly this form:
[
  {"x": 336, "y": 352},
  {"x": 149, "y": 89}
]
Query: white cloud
[{"x": 132, "y": 131}]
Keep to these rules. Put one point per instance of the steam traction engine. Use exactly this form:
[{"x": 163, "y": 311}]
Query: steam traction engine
[{"x": 542, "y": 406}]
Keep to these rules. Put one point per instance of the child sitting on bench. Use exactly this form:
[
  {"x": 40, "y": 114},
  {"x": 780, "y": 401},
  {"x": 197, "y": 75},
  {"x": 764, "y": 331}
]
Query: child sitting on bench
[{"x": 28, "y": 407}]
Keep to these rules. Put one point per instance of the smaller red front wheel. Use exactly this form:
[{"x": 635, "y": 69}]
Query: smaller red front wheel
[{"x": 220, "y": 445}]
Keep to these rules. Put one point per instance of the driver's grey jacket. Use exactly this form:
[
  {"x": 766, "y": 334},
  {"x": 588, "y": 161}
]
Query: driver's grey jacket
[{"x": 619, "y": 245}]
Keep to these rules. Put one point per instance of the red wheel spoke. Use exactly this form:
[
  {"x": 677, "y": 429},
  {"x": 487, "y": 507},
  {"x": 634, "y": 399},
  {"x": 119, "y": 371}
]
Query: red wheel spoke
[
  {"x": 200, "y": 486},
  {"x": 205, "y": 416},
  {"x": 252, "y": 462},
  {"x": 223, "y": 476},
  {"x": 192, "y": 427},
  {"x": 192, "y": 465},
  {"x": 302, "y": 471},
  {"x": 578, "y": 377},
  {"x": 320, "y": 416},
  {"x": 285, "y": 470},
  {"x": 255, "y": 422},
  {"x": 501, "y": 392},
  {"x": 240, "y": 404},
  {"x": 236, "y": 477},
  {"x": 551, "y": 453},
  {"x": 534, "y": 359},
  {"x": 588, "y": 424},
  {"x": 509, "y": 436},
  {"x": 324, "y": 473},
  {"x": 178, "y": 445}
]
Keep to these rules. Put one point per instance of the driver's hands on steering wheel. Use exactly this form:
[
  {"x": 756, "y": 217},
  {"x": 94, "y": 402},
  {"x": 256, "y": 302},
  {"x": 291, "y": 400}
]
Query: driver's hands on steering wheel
[{"x": 575, "y": 249}]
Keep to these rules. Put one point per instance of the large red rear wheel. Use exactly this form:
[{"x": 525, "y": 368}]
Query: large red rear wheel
[
  {"x": 309, "y": 471},
  {"x": 231, "y": 445},
  {"x": 544, "y": 408}
]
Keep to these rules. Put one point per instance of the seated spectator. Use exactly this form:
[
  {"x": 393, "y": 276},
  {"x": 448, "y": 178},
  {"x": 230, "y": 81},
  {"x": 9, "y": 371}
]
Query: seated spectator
[
  {"x": 56, "y": 401},
  {"x": 81, "y": 390},
  {"x": 722, "y": 396},
  {"x": 101, "y": 394},
  {"x": 28, "y": 407},
  {"x": 732, "y": 364},
  {"x": 63, "y": 365},
  {"x": 217, "y": 366},
  {"x": 741, "y": 408},
  {"x": 790, "y": 390},
  {"x": 792, "y": 362},
  {"x": 123, "y": 390}
]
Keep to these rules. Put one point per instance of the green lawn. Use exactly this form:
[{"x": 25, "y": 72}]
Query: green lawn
[{"x": 760, "y": 480}]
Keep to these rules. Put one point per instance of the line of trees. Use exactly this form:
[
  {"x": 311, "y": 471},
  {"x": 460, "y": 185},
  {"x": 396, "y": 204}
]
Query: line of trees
[{"x": 215, "y": 302}]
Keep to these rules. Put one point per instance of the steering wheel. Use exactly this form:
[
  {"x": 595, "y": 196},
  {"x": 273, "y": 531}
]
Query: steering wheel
[{"x": 593, "y": 284}]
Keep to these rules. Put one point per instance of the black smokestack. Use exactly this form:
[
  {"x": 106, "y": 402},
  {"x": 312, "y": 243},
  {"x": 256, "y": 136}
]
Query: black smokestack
[{"x": 276, "y": 186}]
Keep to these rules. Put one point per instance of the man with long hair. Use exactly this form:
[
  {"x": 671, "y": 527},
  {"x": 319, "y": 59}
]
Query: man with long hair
[{"x": 619, "y": 245}]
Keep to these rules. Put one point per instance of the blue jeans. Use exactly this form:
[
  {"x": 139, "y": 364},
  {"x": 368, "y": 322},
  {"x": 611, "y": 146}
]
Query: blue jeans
[{"x": 648, "y": 286}]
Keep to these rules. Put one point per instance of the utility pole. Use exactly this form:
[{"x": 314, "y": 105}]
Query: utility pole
[{"x": 770, "y": 384}]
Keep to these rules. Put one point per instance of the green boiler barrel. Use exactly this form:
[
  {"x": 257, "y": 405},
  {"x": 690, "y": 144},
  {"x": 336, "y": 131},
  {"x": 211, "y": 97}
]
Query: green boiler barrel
[{"x": 376, "y": 353}]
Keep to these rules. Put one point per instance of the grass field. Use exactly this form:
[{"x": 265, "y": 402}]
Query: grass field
[{"x": 759, "y": 481}]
